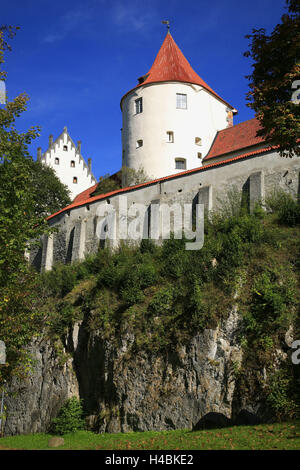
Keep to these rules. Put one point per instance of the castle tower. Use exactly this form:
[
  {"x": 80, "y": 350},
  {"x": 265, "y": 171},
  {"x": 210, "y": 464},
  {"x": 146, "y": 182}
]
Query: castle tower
[
  {"x": 65, "y": 158},
  {"x": 171, "y": 117}
]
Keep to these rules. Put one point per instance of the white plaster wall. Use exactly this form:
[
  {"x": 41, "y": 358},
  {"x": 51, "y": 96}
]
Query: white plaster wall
[
  {"x": 204, "y": 116},
  {"x": 64, "y": 171}
]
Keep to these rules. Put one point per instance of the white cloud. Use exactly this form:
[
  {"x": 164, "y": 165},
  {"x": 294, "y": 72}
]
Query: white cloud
[
  {"x": 133, "y": 16},
  {"x": 69, "y": 22}
]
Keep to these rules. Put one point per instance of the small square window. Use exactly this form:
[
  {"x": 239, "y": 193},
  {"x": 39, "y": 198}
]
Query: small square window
[
  {"x": 139, "y": 143},
  {"x": 75, "y": 180},
  {"x": 139, "y": 105},
  {"x": 180, "y": 163},
  {"x": 170, "y": 136},
  {"x": 181, "y": 101},
  {"x": 199, "y": 155},
  {"x": 65, "y": 147},
  {"x": 56, "y": 161}
]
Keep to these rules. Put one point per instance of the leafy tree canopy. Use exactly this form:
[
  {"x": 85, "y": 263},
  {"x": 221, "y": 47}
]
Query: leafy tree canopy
[
  {"x": 126, "y": 177},
  {"x": 20, "y": 223},
  {"x": 51, "y": 194},
  {"x": 275, "y": 80}
]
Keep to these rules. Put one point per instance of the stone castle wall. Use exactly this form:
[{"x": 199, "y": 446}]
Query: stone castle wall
[{"x": 258, "y": 175}]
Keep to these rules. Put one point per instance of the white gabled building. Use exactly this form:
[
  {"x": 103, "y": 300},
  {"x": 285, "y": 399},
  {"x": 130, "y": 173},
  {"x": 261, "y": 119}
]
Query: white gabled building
[
  {"x": 65, "y": 158},
  {"x": 170, "y": 119}
]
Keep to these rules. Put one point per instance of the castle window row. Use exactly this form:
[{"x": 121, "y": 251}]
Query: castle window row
[
  {"x": 169, "y": 139},
  {"x": 72, "y": 163},
  {"x": 181, "y": 103}
]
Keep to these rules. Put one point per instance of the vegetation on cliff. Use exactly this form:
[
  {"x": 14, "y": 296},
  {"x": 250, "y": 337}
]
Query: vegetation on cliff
[{"x": 163, "y": 295}]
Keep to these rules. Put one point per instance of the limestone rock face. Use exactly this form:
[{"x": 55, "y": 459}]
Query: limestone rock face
[
  {"x": 122, "y": 392},
  {"x": 32, "y": 403}
]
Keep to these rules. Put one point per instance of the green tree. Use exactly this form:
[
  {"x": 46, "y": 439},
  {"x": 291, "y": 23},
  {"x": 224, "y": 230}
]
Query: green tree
[
  {"x": 50, "y": 193},
  {"x": 276, "y": 71},
  {"x": 19, "y": 223},
  {"x": 124, "y": 177},
  {"x": 70, "y": 417}
]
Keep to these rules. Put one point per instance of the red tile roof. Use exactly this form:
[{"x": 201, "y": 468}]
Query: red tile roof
[
  {"x": 85, "y": 194},
  {"x": 79, "y": 201},
  {"x": 171, "y": 65},
  {"x": 235, "y": 138}
]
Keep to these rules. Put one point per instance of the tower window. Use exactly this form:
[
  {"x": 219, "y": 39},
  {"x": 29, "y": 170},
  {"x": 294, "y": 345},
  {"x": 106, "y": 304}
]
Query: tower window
[
  {"x": 65, "y": 147},
  {"x": 56, "y": 161},
  {"x": 198, "y": 141},
  {"x": 199, "y": 155},
  {"x": 170, "y": 136},
  {"x": 75, "y": 180},
  {"x": 180, "y": 163},
  {"x": 181, "y": 101},
  {"x": 139, "y": 143},
  {"x": 139, "y": 105},
  {"x": 72, "y": 164}
]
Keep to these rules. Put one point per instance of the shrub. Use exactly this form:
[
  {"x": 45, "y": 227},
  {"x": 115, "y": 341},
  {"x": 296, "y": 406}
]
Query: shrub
[
  {"x": 272, "y": 301},
  {"x": 70, "y": 417},
  {"x": 285, "y": 206},
  {"x": 163, "y": 301},
  {"x": 283, "y": 396}
]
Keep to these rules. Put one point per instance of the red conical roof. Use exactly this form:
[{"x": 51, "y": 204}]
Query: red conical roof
[{"x": 170, "y": 65}]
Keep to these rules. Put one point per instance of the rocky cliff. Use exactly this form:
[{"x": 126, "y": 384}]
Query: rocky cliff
[{"x": 125, "y": 392}]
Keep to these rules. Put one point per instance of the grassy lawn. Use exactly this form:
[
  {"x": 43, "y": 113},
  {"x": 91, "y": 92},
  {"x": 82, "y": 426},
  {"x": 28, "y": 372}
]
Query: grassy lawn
[{"x": 262, "y": 437}]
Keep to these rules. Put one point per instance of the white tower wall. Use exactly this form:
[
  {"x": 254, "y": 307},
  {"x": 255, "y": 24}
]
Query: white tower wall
[{"x": 204, "y": 116}]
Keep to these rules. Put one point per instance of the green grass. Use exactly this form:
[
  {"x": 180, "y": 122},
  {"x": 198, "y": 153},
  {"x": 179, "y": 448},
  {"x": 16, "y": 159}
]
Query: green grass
[{"x": 262, "y": 437}]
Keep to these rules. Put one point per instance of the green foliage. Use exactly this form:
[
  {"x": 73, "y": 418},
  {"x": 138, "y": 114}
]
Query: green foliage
[
  {"x": 127, "y": 176},
  {"x": 19, "y": 225},
  {"x": 283, "y": 396},
  {"x": 70, "y": 417},
  {"x": 60, "y": 280},
  {"x": 273, "y": 301},
  {"x": 285, "y": 206},
  {"x": 107, "y": 185},
  {"x": 49, "y": 193},
  {"x": 276, "y": 66}
]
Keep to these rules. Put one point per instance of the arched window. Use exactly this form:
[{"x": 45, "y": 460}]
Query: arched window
[
  {"x": 72, "y": 164},
  {"x": 56, "y": 161},
  {"x": 198, "y": 141},
  {"x": 139, "y": 143},
  {"x": 75, "y": 180},
  {"x": 180, "y": 163},
  {"x": 65, "y": 147}
]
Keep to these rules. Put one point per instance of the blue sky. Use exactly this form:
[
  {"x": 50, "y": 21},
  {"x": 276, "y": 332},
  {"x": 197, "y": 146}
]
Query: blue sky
[{"x": 76, "y": 59}]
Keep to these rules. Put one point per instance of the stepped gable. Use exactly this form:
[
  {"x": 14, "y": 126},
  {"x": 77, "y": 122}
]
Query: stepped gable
[
  {"x": 235, "y": 138},
  {"x": 170, "y": 65}
]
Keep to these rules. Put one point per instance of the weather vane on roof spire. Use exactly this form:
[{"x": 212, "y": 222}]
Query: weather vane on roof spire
[{"x": 167, "y": 22}]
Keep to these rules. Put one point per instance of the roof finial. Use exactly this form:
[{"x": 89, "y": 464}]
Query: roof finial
[{"x": 167, "y": 22}]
